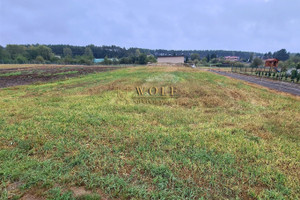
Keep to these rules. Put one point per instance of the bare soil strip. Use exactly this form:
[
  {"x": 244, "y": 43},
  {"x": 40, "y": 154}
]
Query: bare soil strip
[
  {"x": 290, "y": 88},
  {"x": 28, "y": 75}
]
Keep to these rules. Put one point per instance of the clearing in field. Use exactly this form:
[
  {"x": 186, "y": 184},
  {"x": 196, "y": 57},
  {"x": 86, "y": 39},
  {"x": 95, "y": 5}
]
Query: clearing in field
[{"x": 219, "y": 138}]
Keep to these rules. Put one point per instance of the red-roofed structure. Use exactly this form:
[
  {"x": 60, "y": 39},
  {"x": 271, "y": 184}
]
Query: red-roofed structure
[{"x": 273, "y": 62}]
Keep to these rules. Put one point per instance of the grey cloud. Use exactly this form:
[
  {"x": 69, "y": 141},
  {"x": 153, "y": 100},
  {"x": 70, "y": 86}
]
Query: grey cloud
[{"x": 256, "y": 25}]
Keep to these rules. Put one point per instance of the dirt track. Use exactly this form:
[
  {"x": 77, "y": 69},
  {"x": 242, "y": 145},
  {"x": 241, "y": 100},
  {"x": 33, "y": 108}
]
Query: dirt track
[
  {"x": 272, "y": 84},
  {"x": 23, "y": 76}
]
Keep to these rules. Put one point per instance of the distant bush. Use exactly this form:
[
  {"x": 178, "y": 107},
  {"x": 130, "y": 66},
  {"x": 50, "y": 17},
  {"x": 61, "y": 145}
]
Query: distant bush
[
  {"x": 238, "y": 64},
  {"x": 21, "y": 59},
  {"x": 256, "y": 62},
  {"x": 39, "y": 59}
]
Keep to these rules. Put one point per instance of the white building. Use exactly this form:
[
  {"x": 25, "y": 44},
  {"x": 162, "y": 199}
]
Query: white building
[
  {"x": 171, "y": 59},
  {"x": 232, "y": 58}
]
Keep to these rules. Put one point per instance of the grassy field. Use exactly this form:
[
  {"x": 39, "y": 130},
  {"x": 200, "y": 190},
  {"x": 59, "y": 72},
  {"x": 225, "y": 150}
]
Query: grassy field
[{"x": 219, "y": 139}]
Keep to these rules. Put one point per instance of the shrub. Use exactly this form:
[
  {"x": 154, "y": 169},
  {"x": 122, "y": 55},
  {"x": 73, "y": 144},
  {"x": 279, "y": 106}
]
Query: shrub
[
  {"x": 21, "y": 59},
  {"x": 294, "y": 75},
  {"x": 39, "y": 59}
]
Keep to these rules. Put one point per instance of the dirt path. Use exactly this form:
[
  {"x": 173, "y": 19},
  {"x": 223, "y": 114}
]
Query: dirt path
[
  {"x": 272, "y": 84},
  {"x": 28, "y": 75}
]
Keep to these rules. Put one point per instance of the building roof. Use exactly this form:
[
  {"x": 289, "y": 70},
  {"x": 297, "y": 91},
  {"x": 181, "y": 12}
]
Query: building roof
[
  {"x": 231, "y": 57},
  {"x": 98, "y": 60},
  {"x": 272, "y": 59}
]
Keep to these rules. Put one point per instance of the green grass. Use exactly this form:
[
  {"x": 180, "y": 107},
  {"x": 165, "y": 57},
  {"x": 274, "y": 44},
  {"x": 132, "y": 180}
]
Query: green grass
[
  {"x": 10, "y": 74},
  {"x": 66, "y": 73},
  {"x": 223, "y": 139}
]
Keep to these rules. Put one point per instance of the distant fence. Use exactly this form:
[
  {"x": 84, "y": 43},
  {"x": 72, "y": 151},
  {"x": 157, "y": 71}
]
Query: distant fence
[
  {"x": 267, "y": 72},
  {"x": 215, "y": 65}
]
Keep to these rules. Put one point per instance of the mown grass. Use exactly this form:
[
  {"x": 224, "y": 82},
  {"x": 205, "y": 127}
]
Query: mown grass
[{"x": 220, "y": 138}]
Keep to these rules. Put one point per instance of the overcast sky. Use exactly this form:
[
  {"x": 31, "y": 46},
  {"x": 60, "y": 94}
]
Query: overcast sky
[{"x": 248, "y": 25}]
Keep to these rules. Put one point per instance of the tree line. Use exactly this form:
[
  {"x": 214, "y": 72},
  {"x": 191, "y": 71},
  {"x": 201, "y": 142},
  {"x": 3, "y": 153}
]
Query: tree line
[
  {"x": 70, "y": 54},
  {"x": 67, "y": 54}
]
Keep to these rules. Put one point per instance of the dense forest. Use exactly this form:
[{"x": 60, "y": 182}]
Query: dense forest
[
  {"x": 118, "y": 52},
  {"x": 68, "y": 54}
]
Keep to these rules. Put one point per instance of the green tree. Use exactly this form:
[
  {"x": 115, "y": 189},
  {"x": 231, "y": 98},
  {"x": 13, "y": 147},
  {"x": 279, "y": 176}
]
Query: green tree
[
  {"x": 281, "y": 55},
  {"x": 151, "y": 59},
  {"x": 83, "y": 60},
  {"x": 137, "y": 53},
  {"x": 15, "y": 50},
  {"x": 208, "y": 58},
  {"x": 125, "y": 60},
  {"x": 251, "y": 57},
  {"x": 107, "y": 61},
  {"x": 133, "y": 59},
  {"x": 294, "y": 75},
  {"x": 204, "y": 60},
  {"x": 213, "y": 56},
  {"x": 68, "y": 60},
  {"x": 45, "y": 52},
  {"x": 256, "y": 62},
  {"x": 40, "y": 59},
  {"x": 298, "y": 77},
  {"x": 4, "y": 55},
  {"x": 283, "y": 66},
  {"x": 115, "y": 61},
  {"x": 186, "y": 59},
  {"x": 21, "y": 59},
  {"x": 67, "y": 52},
  {"x": 32, "y": 52},
  {"x": 196, "y": 61},
  {"x": 142, "y": 59},
  {"x": 88, "y": 53},
  {"x": 1, "y": 52},
  {"x": 214, "y": 60},
  {"x": 195, "y": 56},
  {"x": 239, "y": 64},
  {"x": 55, "y": 59}
]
